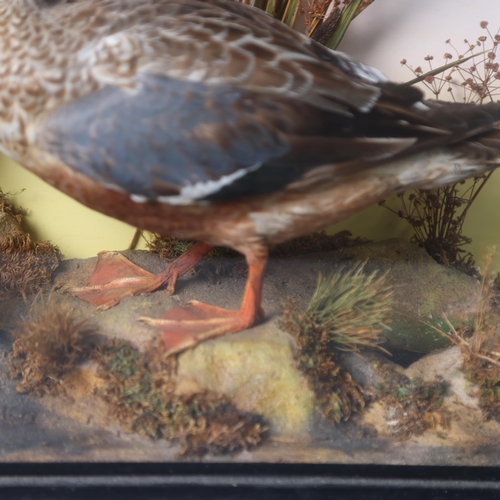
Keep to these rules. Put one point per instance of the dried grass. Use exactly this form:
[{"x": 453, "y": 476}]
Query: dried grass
[
  {"x": 480, "y": 344},
  {"x": 48, "y": 345}
]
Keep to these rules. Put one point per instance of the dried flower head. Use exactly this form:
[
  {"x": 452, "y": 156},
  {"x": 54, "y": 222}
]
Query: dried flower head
[{"x": 475, "y": 83}]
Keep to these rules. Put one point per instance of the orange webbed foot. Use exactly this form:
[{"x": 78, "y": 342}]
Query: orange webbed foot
[
  {"x": 115, "y": 277},
  {"x": 185, "y": 327}
]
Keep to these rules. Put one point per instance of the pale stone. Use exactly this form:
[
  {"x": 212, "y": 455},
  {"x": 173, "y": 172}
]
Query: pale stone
[
  {"x": 256, "y": 369},
  {"x": 446, "y": 364}
]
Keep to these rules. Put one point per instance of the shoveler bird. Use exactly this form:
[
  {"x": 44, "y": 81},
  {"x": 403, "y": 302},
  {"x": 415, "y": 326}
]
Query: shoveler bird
[{"x": 209, "y": 120}]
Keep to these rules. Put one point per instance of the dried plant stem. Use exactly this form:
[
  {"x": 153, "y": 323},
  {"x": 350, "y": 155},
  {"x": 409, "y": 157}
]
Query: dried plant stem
[{"x": 458, "y": 339}]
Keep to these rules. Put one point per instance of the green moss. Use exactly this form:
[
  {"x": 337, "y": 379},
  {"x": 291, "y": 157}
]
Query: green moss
[
  {"x": 412, "y": 405},
  {"x": 141, "y": 395},
  {"x": 487, "y": 376}
]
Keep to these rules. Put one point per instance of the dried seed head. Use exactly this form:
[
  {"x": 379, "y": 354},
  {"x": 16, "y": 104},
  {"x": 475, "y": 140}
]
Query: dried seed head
[
  {"x": 448, "y": 56},
  {"x": 483, "y": 24},
  {"x": 428, "y": 58}
]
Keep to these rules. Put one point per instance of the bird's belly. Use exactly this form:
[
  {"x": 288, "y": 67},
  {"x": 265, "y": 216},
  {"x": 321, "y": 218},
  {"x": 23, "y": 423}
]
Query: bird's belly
[{"x": 267, "y": 219}]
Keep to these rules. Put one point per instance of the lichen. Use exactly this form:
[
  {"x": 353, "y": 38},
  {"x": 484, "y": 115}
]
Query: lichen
[
  {"x": 412, "y": 406},
  {"x": 141, "y": 395}
]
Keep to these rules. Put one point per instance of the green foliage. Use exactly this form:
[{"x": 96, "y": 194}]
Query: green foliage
[
  {"x": 344, "y": 20},
  {"x": 141, "y": 394},
  {"x": 346, "y": 312},
  {"x": 412, "y": 405},
  {"x": 334, "y": 26},
  {"x": 351, "y": 307}
]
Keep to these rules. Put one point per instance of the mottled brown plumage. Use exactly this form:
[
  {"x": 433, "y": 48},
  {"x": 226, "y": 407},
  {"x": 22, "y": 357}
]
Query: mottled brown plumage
[{"x": 209, "y": 120}]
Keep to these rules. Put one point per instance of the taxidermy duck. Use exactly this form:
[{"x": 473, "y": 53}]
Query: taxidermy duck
[{"x": 210, "y": 120}]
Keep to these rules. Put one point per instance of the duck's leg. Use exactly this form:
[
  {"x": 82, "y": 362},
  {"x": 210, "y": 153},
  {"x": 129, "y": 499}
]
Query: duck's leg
[
  {"x": 185, "y": 327},
  {"x": 115, "y": 277}
]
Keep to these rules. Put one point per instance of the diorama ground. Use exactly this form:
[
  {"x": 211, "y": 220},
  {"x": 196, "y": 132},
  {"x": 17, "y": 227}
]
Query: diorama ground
[{"x": 257, "y": 370}]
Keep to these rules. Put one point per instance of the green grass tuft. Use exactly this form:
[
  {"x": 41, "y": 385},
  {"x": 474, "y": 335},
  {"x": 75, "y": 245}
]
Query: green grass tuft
[{"x": 351, "y": 307}]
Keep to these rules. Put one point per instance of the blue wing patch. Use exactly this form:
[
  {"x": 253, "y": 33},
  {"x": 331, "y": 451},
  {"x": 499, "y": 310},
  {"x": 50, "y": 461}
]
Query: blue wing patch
[{"x": 164, "y": 136}]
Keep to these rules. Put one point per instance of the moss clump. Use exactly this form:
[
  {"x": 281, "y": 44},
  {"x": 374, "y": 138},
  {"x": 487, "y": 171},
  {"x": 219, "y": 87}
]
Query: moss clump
[
  {"x": 168, "y": 247},
  {"x": 337, "y": 396},
  {"x": 412, "y": 405},
  {"x": 48, "y": 346},
  {"x": 26, "y": 266},
  {"x": 218, "y": 263},
  {"x": 480, "y": 347},
  {"x": 346, "y": 312},
  {"x": 10, "y": 209},
  {"x": 141, "y": 394},
  {"x": 488, "y": 378}
]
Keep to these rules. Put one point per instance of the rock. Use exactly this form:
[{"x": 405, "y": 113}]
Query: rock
[
  {"x": 423, "y": 291},
  {"x": 365, "y": 368},
  {"x": 256, "y": 369},
  {"x": 446, "y": 364}
]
